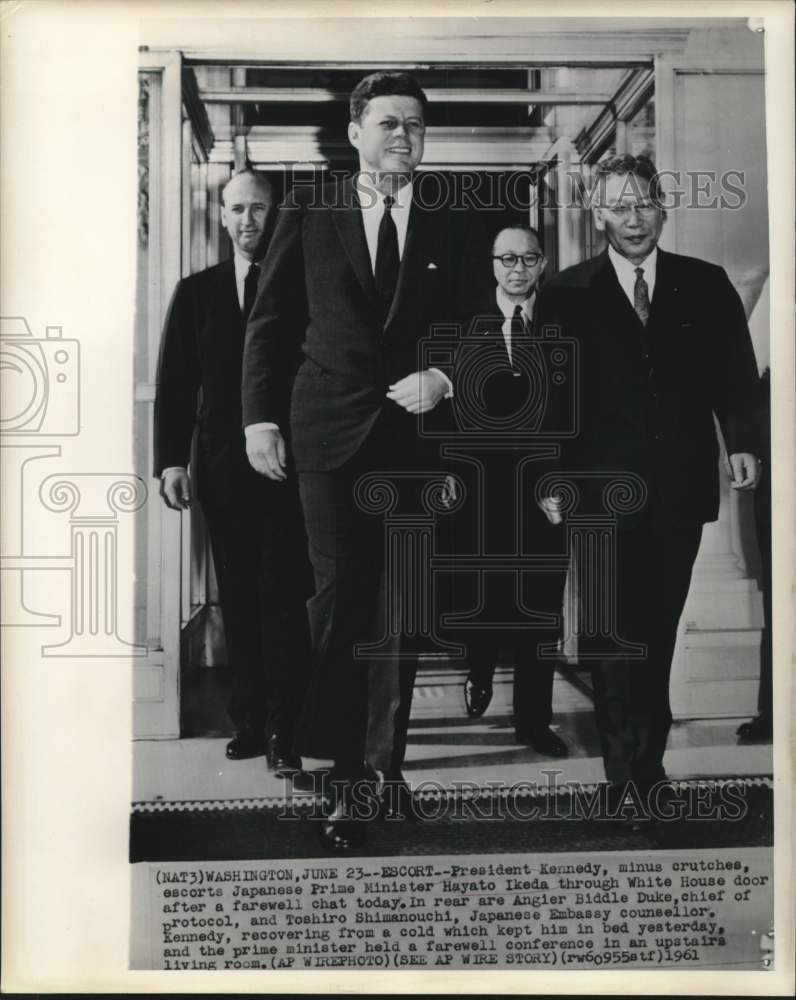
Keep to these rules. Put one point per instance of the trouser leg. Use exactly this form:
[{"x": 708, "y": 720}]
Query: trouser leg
[
  {"x": 346, "y": 554},
  {"x": 633, "y": 713}
]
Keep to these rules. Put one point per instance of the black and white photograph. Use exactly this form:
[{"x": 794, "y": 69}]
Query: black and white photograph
[{"x": 441, "y": 559}]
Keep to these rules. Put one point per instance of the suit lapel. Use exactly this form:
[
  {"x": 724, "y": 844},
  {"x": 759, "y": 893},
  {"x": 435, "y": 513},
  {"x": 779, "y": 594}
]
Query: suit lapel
[
  {"x": 225, "y": 299},
  {"x": 663, "y": 298},
  {"x": 614, "y": 302},
  {"x": 417, "y": 222},
  {"x": 421, "y": 248},
  {"x": 350, "y": 229}
]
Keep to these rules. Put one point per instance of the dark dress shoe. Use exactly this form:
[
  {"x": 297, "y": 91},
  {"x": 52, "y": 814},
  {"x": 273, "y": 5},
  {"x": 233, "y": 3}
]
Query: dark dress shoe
[
  {"x": 395, "y": 797},
  {"x": 247, "y": 743},
  {"x": 344, "y": 828},
  {"x": 283, "y": 762},
  {"x": 759, "y": 730},
  {"x": 340, "y": 835},
  {"x": 476, "y": 697},
  {"x": 543, "y": 741},
  {"x": 303, "y": 782}
]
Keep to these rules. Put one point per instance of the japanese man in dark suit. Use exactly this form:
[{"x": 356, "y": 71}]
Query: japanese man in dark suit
[
  {"x": 664, "y": 346},
  {"x": 505, "y": 328}
]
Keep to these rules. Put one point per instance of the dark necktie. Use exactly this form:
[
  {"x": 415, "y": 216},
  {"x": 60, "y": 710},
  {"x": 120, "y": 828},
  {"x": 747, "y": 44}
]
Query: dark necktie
[
  {"x": 519, "y": 324},
  {"x": 641, "y": 297},
  {"x": 387, "y": 259},
  {"x": 250, "y": 290}
]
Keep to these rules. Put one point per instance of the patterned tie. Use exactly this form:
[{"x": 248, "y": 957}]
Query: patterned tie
[
  {"x": 250, "y": 290},
  {"x": 387, "y": 259},
  {"x": 641, "y": 297}
]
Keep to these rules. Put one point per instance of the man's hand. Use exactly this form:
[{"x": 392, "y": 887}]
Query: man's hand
[
  {"x": 450, "y": 492},
  {"x": 175, "y": 488},
  {"x": 266, "y": 451},
  {"x": 419, "y": 392},
  {"x": 551, "y": 507},
  {"x": 744, "y": 471}
]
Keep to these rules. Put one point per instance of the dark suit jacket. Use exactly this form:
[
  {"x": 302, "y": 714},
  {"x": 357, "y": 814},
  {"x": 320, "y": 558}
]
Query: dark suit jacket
[
  {"x": 202, "y": 349},
  {"x": 503, "y": 411},
  {"x": 648, "y": 395},
  {"x": 517, "y": 390},
  {"x": 317, "y": 290}
]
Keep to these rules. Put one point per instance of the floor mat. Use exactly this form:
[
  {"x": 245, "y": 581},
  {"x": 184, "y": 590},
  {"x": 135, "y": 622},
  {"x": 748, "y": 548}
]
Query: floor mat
[{"x": 714, "y": 814}]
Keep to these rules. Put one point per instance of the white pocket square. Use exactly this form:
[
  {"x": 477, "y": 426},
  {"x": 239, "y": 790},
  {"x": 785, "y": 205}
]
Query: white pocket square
[{"x": 431, "y": 266}]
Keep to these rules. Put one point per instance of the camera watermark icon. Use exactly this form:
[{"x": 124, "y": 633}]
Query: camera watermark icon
[
  {"x": 536, "y": 396},
  {"x": 40, "y": 381},
  {"x": 41, "y": 400}
]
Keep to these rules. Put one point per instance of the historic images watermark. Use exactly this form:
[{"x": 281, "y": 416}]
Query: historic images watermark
[{"x": 512, "y": 192}]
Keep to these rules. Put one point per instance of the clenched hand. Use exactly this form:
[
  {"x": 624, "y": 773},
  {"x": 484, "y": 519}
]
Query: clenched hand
[{"x": 418, "y": 392}]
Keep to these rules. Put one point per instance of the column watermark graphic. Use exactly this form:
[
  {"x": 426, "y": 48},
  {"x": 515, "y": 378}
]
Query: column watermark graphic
[{"x": 40, "y": 405}]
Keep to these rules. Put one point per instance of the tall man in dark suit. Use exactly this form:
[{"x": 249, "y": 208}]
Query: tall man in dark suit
[
  {"x": 505, "y": 328},
  {"x": 357, "y": 273},
  {"x": 664, "y": 346},
  {"x": 256, "y": 534}
]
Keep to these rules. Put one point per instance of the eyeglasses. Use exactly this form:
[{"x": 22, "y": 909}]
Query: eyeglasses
[
  {"x": 623, "y": 211},
  {"x": 510, "y": 259}
]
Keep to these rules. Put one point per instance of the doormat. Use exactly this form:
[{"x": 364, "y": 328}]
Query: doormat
[{"x": 713, "y": 813}]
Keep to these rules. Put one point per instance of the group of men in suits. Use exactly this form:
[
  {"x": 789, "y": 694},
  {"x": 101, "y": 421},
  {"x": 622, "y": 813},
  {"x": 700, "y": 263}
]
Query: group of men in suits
[{"x": 332, "y": 390}]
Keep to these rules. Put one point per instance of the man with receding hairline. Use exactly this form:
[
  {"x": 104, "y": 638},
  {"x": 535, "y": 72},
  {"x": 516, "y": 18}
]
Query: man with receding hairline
[
  {"x": 506, "y": 331},
  {"x": 664, "y": 347},
  {"x": 256, "y": 535}
]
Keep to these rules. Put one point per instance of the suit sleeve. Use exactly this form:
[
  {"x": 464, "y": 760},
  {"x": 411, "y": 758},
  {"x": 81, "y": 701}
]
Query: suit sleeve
[
  {"x": 563, "y": 406},
  {"x": 736, "y": 385},
  {"x": 178, "y": 381},
  {"x": 276, "y": 324}
]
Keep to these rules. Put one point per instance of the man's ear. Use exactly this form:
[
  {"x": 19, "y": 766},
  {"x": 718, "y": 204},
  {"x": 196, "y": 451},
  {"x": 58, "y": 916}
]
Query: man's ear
[
  {"x": 353, "y": 134},
  {"x": 599, "y": 219}
]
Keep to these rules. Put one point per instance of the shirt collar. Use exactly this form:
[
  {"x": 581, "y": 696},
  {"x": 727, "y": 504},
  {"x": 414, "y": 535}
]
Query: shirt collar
[
  {"x": 627, "y": 269},
  {"x": 371, "y": 196},
  {"x": 242, "y": 266},
  {"x": 507, "y": 307}
]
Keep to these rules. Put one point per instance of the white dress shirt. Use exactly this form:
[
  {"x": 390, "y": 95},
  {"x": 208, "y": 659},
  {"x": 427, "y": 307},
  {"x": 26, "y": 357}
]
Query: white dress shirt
[
  {"x": 241, "y": 270},
  {"x": 507, "y": 307},
  {"x": 626, "y": 273},
  {"x": 371, "y": 203}
]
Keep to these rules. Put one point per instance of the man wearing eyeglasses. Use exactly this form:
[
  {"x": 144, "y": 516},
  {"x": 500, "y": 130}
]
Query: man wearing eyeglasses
[
  {"x": 511, "y": 368},
  {"x": 664, "y": 346}
]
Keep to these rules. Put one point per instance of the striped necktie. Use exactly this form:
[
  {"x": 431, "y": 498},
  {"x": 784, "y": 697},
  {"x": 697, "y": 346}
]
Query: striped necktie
[{"x": 641, "y": 297}]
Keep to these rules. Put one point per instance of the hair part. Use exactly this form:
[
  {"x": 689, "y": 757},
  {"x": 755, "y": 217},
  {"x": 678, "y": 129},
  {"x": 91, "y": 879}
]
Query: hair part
[{"x": 383, "y": 84}]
